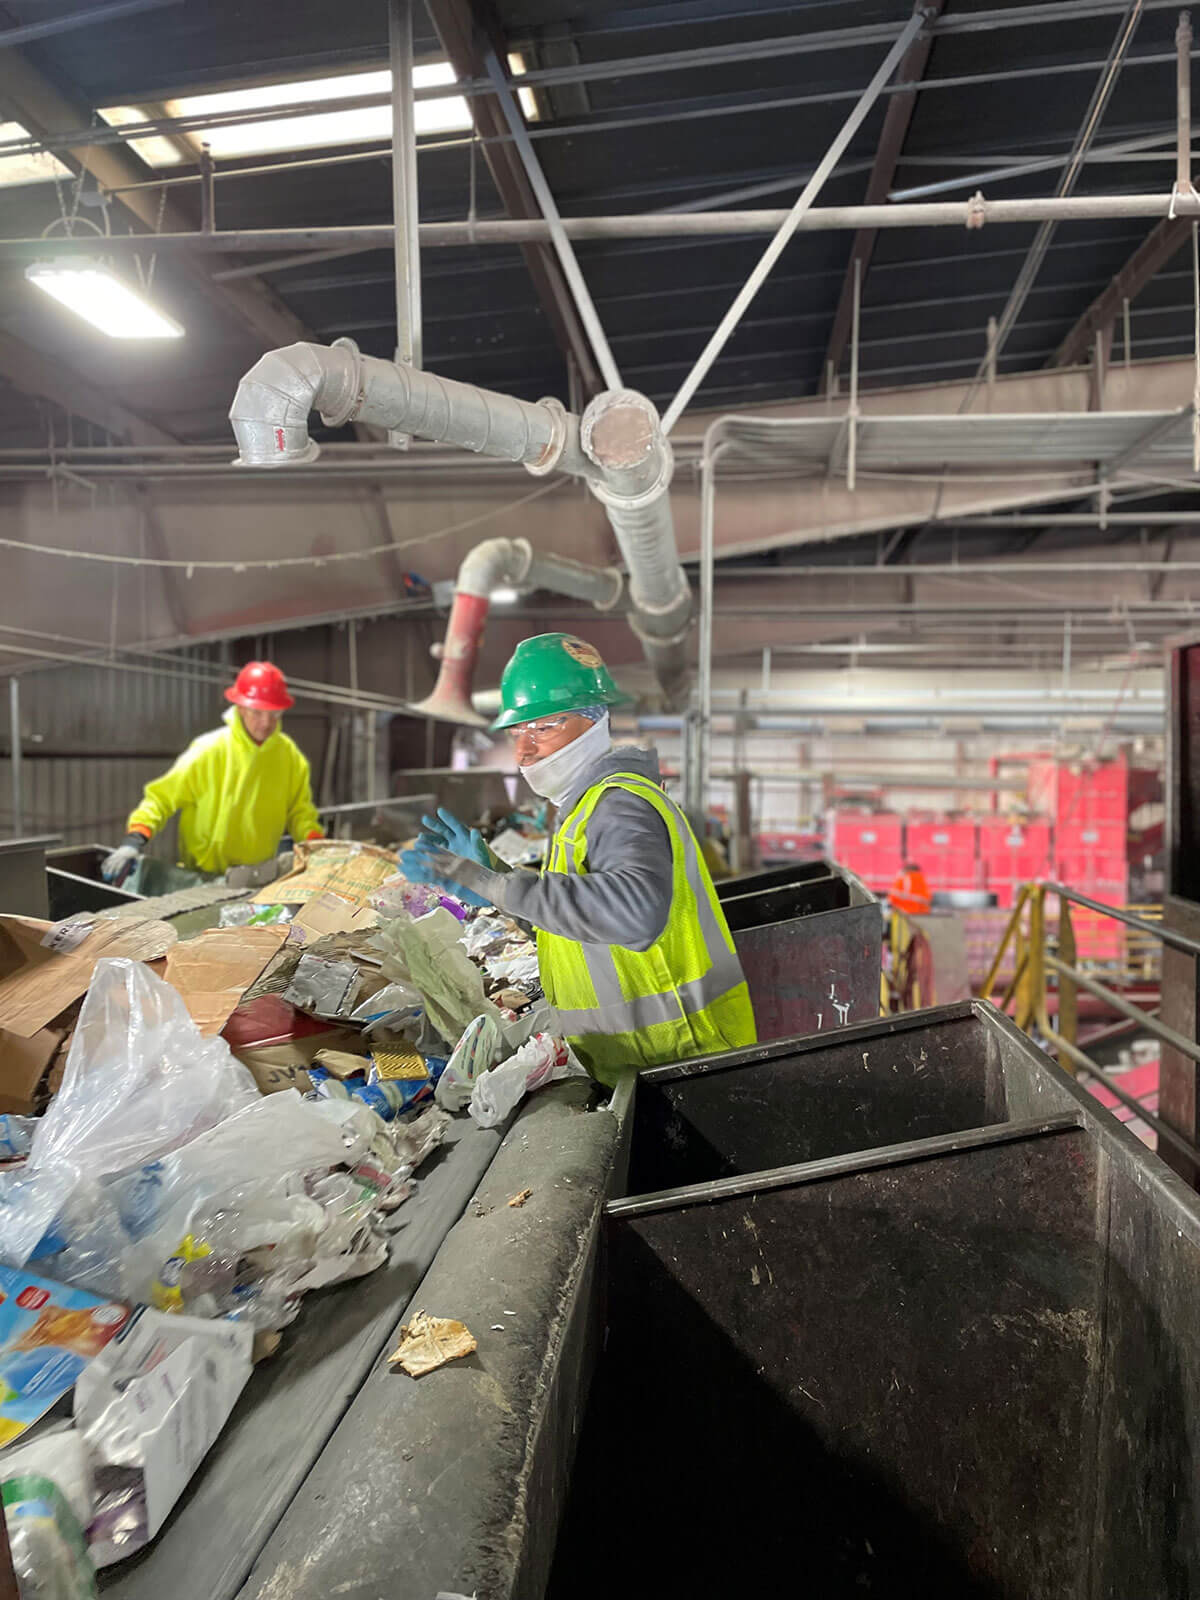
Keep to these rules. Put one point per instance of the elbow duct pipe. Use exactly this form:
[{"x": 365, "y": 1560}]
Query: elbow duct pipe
[
  {"x": 618, "y": 448},
  {"x": 270, "y": 411},
  {"x": 511, "y": 563}
]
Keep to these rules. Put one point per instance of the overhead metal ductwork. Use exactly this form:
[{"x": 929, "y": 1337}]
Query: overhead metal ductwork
[
  {"x": 494, "y": 564},
  {"x": 618, "y": 448}
]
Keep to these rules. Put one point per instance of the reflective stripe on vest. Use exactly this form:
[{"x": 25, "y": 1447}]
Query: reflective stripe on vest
[{"x": 614, "y": 1012}]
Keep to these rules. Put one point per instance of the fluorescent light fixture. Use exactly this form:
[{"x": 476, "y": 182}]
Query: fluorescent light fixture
[
  {"x": 38, "y": 166},
  {"x": 505, "y": 597},
  {"x": 96, "y": 294},
  {"x": 309, "y": 130}
]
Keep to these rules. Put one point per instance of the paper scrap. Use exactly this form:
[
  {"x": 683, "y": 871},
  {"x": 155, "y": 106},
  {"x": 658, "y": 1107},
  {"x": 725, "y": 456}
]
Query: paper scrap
[
  {"x": 427, "y": 1343},
  {"x": 520, "y": 1199},
  {"x": 341, "y": 1064}
]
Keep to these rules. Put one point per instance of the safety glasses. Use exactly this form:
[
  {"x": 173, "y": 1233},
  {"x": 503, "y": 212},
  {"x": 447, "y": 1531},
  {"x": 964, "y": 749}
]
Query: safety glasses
[{"x": 536, "y": 733}]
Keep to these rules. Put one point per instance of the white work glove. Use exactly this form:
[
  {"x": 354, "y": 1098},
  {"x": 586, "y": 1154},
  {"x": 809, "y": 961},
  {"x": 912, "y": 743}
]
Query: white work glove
[{"x": 115, "y": 868}]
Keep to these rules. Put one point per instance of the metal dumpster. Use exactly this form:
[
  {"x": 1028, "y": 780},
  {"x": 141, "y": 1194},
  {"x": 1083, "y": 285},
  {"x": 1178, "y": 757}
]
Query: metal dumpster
[
  {"x": 74, "y": 883},
  {"x": 956, "y": 1358},
  {"x": 809, "y": 936},
  {"x": 773, "y": 878}
]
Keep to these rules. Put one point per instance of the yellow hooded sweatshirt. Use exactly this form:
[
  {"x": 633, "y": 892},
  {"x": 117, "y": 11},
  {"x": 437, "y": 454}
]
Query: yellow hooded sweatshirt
[{"x": 235, "y": 798}]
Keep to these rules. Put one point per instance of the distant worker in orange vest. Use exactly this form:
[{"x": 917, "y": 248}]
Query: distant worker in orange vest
[{"x": 910, "y": 892}]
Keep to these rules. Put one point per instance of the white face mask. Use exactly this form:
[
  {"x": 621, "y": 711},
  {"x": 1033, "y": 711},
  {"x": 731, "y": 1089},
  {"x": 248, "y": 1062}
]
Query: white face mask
[{"x": 555, "y": 776}]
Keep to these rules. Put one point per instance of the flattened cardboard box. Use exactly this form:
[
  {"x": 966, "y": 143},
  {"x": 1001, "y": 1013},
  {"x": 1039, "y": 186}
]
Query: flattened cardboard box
[{"x": 36, "y": 984}]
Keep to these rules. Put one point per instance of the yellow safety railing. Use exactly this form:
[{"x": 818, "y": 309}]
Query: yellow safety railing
[{"x": 1039, "y": 964}]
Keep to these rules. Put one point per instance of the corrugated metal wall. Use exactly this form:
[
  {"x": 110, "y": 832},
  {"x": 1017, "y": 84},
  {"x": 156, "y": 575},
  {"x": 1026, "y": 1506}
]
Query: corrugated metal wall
[{"x": 74, "y": 721}]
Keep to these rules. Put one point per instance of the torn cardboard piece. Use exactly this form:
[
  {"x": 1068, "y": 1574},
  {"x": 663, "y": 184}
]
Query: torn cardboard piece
[
  {"x": 427, "y": 1343},
  {"x": 333, "y": 913},
  {"x": 350, "y": 870},
  {"x": 276, "y": 1043},
  {"x": 213, "y": 971},
  {"x": 24, "y": 1063},
  {"x": 37, "y": 983}
]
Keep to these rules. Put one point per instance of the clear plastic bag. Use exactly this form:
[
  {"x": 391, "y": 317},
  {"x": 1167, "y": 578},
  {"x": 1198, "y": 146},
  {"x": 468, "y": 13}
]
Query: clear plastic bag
[
  {"x": 141, "y": 1080},
  {"x": 149, "y": 1409},
  {"x": 541, "y": 1060},
  {"x": 481, "y": 1044},
  {"x": 49, "y": 1556}
]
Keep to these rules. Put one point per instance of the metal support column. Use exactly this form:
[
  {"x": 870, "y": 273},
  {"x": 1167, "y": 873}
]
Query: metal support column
[
  {"x": 405, "y": 218},
  {"x": 792, "y": 221},
  {"x": 562, "y": 245},
  {"x": 1183, "y": 104},
  {"x": 708, "y": 491},
  {"x": 852, "y": 412},
  {"x": 14, "y": 728},
  {"x": 208, "y": 197}
]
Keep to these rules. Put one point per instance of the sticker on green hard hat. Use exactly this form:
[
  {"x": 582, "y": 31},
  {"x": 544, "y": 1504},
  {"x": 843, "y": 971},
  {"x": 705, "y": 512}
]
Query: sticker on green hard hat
[
  {"x": 586, "y": 654},
  {"x": 552, "y": 673}
]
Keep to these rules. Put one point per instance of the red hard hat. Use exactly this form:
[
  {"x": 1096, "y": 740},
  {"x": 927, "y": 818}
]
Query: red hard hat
[{"x": 260, "y": 686}]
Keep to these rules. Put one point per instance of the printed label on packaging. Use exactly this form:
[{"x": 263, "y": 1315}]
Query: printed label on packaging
[{"x": 66, "y": 936}]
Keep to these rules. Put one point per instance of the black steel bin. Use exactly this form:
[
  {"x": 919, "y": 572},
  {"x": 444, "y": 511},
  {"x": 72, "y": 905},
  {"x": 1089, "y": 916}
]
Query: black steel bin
[
  {"x": 960, "y": 1359},
  {"x": 809, "y": 936}
]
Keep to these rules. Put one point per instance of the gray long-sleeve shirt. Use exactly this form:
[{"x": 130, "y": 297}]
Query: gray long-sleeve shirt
[{"x": 624, "y": 898}]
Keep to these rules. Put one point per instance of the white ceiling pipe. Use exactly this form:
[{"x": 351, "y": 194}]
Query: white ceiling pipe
[
  {"x": 619, "y": 449},
  {"x": 622, "y": 435}
]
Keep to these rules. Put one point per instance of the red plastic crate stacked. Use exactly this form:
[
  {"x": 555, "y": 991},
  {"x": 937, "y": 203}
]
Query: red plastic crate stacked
[
  {"x": 1091, "y": 851},
  {"x": 1012, "y": 853},
  {"x": 868, "y": 843},
  {"x": 776, "y": 848},
  {"x": 947, "y": 852}
]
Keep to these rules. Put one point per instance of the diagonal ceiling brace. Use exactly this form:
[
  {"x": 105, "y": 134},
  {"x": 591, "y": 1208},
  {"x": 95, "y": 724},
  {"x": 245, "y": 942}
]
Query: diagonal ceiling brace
[
  {"x": 1150, "y": 257},
  {"x": 468, "y": 30},
  {"x": 883, "y": 171}
]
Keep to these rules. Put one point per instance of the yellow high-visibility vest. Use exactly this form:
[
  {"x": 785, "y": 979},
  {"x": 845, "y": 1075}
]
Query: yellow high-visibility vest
[
  {"x": 235, "y": 798},
  {"x": 685, "y": 996}
]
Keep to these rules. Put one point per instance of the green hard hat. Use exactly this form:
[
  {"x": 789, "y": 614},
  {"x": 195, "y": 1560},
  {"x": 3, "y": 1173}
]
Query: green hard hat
[{"x": 550, "y": 673}]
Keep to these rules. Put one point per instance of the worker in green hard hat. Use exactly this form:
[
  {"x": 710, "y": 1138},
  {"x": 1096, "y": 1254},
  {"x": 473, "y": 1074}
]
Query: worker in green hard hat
[{"x": 633, "y": 947}]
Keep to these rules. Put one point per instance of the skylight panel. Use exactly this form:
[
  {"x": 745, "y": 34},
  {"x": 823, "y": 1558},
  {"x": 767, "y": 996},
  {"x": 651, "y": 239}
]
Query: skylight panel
[
  {"x": 40, "y": 166},
  {"x": 309, "y": 129}
]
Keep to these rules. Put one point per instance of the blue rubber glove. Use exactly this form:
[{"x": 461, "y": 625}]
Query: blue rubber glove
[
  {"x": 446, "y": 832},
  {"x": 418, "y": 867}
]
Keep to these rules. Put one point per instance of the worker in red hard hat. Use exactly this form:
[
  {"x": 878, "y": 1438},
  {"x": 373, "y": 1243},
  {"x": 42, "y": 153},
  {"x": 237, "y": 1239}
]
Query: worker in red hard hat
[
  {"x": 910, "y": 892},
  {"x": 237, "y": 790}
]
